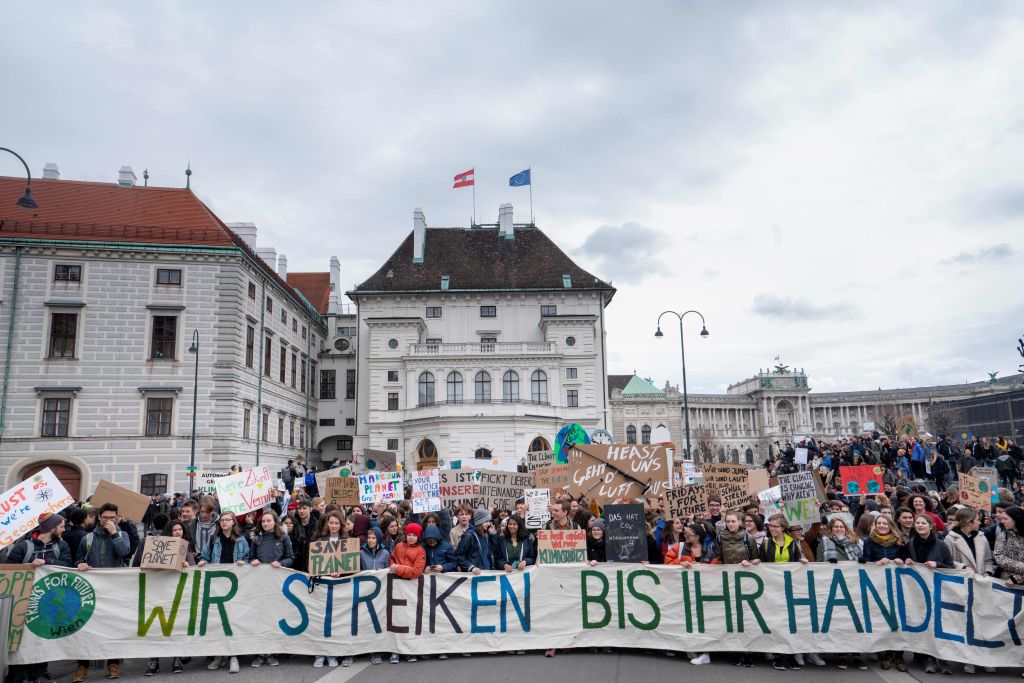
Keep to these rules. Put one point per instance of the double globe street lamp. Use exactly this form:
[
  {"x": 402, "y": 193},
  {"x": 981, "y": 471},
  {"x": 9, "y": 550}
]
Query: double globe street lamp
[{"x": 682, "y": 350}]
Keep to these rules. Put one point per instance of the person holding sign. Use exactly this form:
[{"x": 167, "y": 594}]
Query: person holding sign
[
  {"x": 697, "y": 547},
  {"x": 514, "y": 550},
  {"x": 926, "y": 548},
  {"x": 970, "y": 551},
  {"x": 840, "y": 545},
  {"x": 270, "y": 546},
  {"x": 332, "y": 528},
  {"x": 226, "y": 547},
  {"x": 779, "y": 546},
  {"x": 408, "y": 560}
]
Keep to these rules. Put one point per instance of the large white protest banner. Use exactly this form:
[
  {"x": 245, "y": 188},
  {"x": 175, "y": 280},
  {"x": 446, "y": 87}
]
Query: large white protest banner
[
  {"x": 778, "y": 607},
  {"x": 249, "y": 490},
  {"x": 21, "y": 505}
]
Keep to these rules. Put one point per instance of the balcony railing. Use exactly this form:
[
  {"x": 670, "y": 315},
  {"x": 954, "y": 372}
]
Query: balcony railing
[
  {"x": 483, "y": 402},
  {"x": 483, "y": 349}
]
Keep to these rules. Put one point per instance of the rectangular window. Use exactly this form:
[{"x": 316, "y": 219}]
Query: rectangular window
[
  {"x": 350, "y": 384},
  {"x": 284, "y": 316},
  {"x": 246, "y": 423},
  {"x": 570, "y": 373},
  {"x": 291, "y": 433},
  {"x": 433, "y": 311},
  {"x": 345, "y": 443},
  {"x": 280, "y": 430},
  {"x": 294, "y": 359},
  {"x": 252, "y": 291},
  {"x": 168, "y": 276},
  {"x": 153, "y": 484},
  {"x": 250, "y": 345},
  {"x": 392, "y": 444},
  {"x": 284, "y": 363},
  {"x": 295, "y": 325},
  {"x": 303, "y": 332},
  {"x": 270, "y": 305},
  {"x": 303, "y": 376},
  {"x": 56, "y": 416},
  {"x": 327, "y": 422},
  {"x": 572, "y": 398},
  {"x": 158, "y": 416},
  {"x": 165, "y": 329},
  {"x": 488, "y": 311},
  {"x": 487, "y": 344},
  {"x": 392, "y": 375},
  {"x": 350, "y": 421},
  {"x": 63, "y": 329},
  {"x": 548, "y": 310},
  {"x": 67, "y": 273},
  {"x": 302, "y": 434},
  {"x": 327, "y": 383},
  {"x": 265, "y": 430},
  {"x": 312, "y": 379},
  {"x": 393, "y": 400},
  {"x": 433, "y": 343},
  {"x": 266, "y": 358}
]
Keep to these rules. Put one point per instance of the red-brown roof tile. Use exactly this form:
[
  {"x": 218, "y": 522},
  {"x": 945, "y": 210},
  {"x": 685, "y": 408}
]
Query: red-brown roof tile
[{"x": 314, "y": 286}]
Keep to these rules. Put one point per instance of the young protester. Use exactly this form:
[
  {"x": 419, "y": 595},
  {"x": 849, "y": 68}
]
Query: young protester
[
  {"x": 753, "y": 524},
  {"x": 373, "y": 555},
  {"x": 331, "y": 527},
  {"x": 408, "y": 561},
  {"x": 596, "y": 551},
  {"x": 736, "y": 547},
  {"x": 904, "y": 523},
  {"x": 560, "y": 519},
  {"x": 672, "y": 534},
  {"x": 922, "y": 504},
  {"x": 304, "y": 532},
  {"x": 925, "y": 548},
  {"x": 175, "y": 529},
  {"x": 1009, "y": 547},
  {"x": 391, "y": 534},
  {"x": 205, "y": 526},
  {"x": 697, "y": 547},
  {"x": 840, "y": 545},
  {"x": 513, "y": 549},
  {"x": 74, "y": 530},
  {"x": 463, "y": 515},
  {"x": 157, "y": 523},
  {"x": 440, "y": 555},
  {"x": 885, "y": 545},
  {"x": 270, "y": 545},
  {"x": 969, "y": 550},
  {"x": 780, "y": 547},
  {"x": 476, "y": 549},
  {"x": 226, "y": 547}
]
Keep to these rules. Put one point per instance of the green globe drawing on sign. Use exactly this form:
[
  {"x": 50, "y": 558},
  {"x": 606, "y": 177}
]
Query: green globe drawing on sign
[{"x": 60, "y": 605}]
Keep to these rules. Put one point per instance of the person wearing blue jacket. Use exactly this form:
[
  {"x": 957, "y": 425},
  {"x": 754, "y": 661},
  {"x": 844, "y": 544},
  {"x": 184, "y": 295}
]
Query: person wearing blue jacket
[
  {"x": 476, "y": 551},
  {"x": 917, "y": 460},
  {"x": 514, "y": 549},
  {"x": 440, "y": 556},
  {"x": 373, "y": 555},
  {"x": 227, "y": 546}
]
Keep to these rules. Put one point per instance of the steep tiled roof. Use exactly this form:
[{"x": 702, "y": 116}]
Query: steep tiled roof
[
  {"x": 314, "y": 286},
  {"x": 481, "y": 259}
]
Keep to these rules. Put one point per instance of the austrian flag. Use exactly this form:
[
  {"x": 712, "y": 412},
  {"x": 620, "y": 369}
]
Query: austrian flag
[{"x": 464, "y": 179}]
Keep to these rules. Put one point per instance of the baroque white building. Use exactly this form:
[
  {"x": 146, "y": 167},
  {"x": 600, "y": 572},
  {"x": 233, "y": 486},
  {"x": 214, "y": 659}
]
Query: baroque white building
[
  {"x": 101, "y": 288},
  {"x": 477, "y": 343}
]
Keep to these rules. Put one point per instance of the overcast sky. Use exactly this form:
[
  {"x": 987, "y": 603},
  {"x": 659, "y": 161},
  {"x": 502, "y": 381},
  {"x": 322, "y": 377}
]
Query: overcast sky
[{"x": 841, "y": 187}]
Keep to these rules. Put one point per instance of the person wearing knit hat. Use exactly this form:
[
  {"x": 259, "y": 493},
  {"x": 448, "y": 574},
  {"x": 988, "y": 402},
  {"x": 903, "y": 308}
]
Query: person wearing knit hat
[
  {"x": 477, "y": 546},
  {"x": 481, "y": 516}
]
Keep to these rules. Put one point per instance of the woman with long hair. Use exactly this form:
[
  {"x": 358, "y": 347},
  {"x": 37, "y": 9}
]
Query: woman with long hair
[
  {"x": 175, "y": 529},
  {"x": 925, "y": 548},
  {"x": 270, "y": 545},
  {"x": 227, "y": 546},
  {"x": 921, "y": 504},
  {"x": 1008, "y": 553},
  {"x": 737, "y": 547},
  {"x": 332, "y": 528},
  {"x": 596, "y": 551},
  {"x": 514, "y": 550},
  {"x": 753, "y": 524},
  {"x": 839, "y": 544},
  {"x": 671, "y": 535},
  {"x": 391, "y": 533},
  {"x": 885, "y": 545}
]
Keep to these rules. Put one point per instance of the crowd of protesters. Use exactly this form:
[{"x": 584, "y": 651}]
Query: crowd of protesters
[{"x": 917, "y": 519}]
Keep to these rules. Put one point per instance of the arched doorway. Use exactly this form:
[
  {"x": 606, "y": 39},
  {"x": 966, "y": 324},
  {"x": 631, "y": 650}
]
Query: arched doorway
[
  {"x": 68, "y": 475},
  {"x": 426, "y": 455},
  {"x": 539, "y": 444},
  {"x": 786, "y": 416}
]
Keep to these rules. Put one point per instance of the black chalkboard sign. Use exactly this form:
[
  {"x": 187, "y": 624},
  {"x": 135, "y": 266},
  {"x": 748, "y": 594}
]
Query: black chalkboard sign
[{"x": 625, "y": 533}]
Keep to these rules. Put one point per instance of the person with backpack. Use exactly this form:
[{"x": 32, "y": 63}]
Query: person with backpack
[
  {"x": 287, "y": 475},
  {"x": 309, "y": 483},
  {"x": 106, "y": 546}
]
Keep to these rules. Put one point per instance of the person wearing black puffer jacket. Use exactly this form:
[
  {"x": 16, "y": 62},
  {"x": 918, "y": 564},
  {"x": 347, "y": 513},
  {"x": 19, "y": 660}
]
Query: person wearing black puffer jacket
[{"x": 924, "y": 547}]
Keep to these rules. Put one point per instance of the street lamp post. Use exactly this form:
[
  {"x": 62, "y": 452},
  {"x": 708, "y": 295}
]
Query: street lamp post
[
  {"x": 682, "y": 351},
  {"x": 26, "y": 201},
  {"x": 194, "y": 349}
]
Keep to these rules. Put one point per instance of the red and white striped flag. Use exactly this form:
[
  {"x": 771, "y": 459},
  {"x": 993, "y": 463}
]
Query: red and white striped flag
[{"x": 464, "y": 179}]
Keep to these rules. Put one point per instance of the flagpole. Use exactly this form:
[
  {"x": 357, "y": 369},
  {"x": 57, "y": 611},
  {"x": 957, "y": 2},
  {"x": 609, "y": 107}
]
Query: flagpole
[
  {"x": 532, "y": 220},
  {"x": 474, "y": 196}
]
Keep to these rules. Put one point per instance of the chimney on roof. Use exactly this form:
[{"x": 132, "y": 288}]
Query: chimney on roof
[
  {"x": 419, "y": 235},
  {"x": 247, "y": 231},
  {"x": 505, "y": 225},
  {"x": 282, "y": 266},
  {"x": 126, "y": 177},
  {"x": 269, "y": 256},
  {"x": 334, "y": 305},
  {"x": 51, "y": 172}
]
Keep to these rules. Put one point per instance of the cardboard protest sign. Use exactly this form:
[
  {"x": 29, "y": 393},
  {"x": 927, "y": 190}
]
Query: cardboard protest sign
[
  {"x": 206, "y": 481},
  {"x": 245, "y": 491},
  {"x": 459, "y": 487},
  {"x": 607, "y": 473},
  {"x": 426, "y": 491},
  {"x": 687, "y": 500},
  {"x": 342, "y": 491},
  {"x": 858, "y": 479},
  {"x": 380, "y": 487},
  {"x": 625, "y": 533},
  {"x": 906, "y": 426},
  {"x": 552, "y": 477},
  {"x": 16, "y": 580},
  {"x": 333, "y": 557},
  {"x": 728, "y": 482},
  {"x": 385, "y": 461},
  {"x": 803, "y": 512},
  {"x": 535, "y": 459},
  {"x": 130, "y": 504},
  {"x": 164, "y": 552},
  {"x": 322, "y": 477},
  {"x": 537, "y": 507},
  {"x": 975, "y": 492},
  {"x": 561, "y": 547},
  {"x": 500, "y": 489},
  {"x": 757, "y": 480},
  {"x": 21, "y": 505},
  {"x": 989, "y": 474}
]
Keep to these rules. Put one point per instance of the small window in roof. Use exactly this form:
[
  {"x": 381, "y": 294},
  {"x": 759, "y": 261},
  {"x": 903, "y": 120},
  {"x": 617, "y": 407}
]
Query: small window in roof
[
  {"x": 567, "y": 281},
  {"x": 444, "y": 282}
]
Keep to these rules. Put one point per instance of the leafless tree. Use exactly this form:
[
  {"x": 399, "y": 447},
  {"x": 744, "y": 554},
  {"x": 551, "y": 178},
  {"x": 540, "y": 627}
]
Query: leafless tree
[
  {"x": 886, "y": 415},
  {"x": 705, "y": 443},
  {"x": 945, "y": 418}
]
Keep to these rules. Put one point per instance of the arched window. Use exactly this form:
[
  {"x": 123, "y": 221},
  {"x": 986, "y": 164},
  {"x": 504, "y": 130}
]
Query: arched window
[
  {"x": 539, "y": 444},
  {"x": 454, "y": 387},
  {"x": 426, "y": 449},
  {"x": 750, "y": 456},
  {"x": 645, "y": 434},
  {"x": 510, "y": 386},
  {"x": 482, "y": 454},
  {"x": 631, "y": 434},
  {"x": 539, "y": 387},
  {"x": 483, "y": 387},
  {"x": 426, "y": 388}
]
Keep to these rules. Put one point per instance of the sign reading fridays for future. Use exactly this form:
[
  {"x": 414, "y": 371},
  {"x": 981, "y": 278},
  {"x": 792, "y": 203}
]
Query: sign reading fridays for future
[
  {"x": 21, "y": 505},
  {"x": 776, "y": 607}
]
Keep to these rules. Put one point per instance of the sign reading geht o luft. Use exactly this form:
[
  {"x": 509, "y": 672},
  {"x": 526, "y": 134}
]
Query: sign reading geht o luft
[{"x": 775, "y": 608}]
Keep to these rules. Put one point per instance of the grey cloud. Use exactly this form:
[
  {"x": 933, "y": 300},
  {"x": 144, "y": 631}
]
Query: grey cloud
[
  {"x": 997, "y": 205},
  {"x": 795, "y": 309},
  {"x": 997, "y": 252},
  {"x": 626, "y": 253}
]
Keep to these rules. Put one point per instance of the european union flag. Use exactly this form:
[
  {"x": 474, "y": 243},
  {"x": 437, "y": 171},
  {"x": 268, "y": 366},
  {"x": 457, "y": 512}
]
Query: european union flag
[{"x": 520, "y": 179}]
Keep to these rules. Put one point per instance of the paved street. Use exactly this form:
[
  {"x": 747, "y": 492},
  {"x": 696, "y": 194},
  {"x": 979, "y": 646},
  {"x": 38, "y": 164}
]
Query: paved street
[{"x": 565, "y": 668}]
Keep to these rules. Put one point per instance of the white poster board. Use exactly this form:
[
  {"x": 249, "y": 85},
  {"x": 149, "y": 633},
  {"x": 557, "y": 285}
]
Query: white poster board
[
  {"x": 537, "y": 507},
  {"x": 23, "y": 503},
  {"x": 246, "y": 491}
]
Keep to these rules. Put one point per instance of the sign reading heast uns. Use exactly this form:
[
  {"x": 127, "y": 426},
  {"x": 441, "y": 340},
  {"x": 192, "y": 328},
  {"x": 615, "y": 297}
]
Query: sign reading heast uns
[
  {"x": 501, "y": 489},
  {"x": 625, "y": 533},
  {"x": 426, "y": 491},
  {"x": 249, "y": 490},
  {"x": 21, "y": 505},
  {"x": 617, "y": 471},
  {"x": 783, "y": 608},
  {"x": 380, "y": 487}
]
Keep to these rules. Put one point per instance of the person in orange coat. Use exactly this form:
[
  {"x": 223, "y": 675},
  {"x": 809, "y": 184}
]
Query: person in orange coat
[
  {"x": 696, "y": 547},
  {"x": 409, "y": 559}
]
